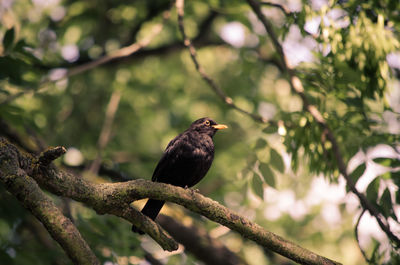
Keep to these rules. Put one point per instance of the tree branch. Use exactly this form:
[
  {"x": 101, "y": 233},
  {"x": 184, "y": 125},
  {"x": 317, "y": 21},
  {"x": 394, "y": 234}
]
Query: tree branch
[
  {"x": 195, "y": 240},
  {"x": 298, "y": 88},
  {"x": 121, "y": 53},
  {"x": 283, "y": 8},
  {"x": 52, "y": 153},
  {"x": 114, "y": 198},
  {"x": 193, "y": 54},
  {"x": 358, "y": 241},
  {"x": 105, "y": 132},
  {"x": 64, "y": 184},
  {"x": 42, "y": 207}
]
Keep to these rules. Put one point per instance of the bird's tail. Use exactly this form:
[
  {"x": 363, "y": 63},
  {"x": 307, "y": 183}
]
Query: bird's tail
[{"x": 151, "y": 209}]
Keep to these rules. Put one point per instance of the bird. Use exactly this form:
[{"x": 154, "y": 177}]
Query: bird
[{"x": 185, "y": 161}]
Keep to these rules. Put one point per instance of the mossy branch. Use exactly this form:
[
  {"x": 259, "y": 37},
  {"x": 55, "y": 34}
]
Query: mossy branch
[
  {"x": 27, "y": 191},
  {"x": 114, "y": 198}
]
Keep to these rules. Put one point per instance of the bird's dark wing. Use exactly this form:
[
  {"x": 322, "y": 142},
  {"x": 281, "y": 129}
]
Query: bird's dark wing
[
  {"x": 185, "y": 161},
  {"x": 170, "y": 152}
]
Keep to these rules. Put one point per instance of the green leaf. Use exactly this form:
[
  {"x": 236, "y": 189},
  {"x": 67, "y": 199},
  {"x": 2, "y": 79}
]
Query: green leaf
[
  {"x": 276, "y": 160},
  {"x": 8, "y": 39},
  {"x": 270, "y": 129},
  {"x": 356, "y": 174},
  {"x": 355, "y": 101},
  {"x": 257, "y": 186},
  {"x": 251, "y": 159},
  {"x": 14, "y": 70},
  {"x": 387, "y": 162},
  {"x": 267, "y": 174},
  {"x": 372, "y": 190},
  {"x": 261, "y": 143},
  {"x": 386, "y": 204}
]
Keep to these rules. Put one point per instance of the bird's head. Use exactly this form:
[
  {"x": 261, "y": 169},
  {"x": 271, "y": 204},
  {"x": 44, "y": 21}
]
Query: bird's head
[{"x": 207, "y": 126}]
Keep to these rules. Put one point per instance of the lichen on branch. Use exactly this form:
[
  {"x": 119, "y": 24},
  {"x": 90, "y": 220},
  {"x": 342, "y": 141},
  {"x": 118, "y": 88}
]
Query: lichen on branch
[{"x": 114, "y": 198}]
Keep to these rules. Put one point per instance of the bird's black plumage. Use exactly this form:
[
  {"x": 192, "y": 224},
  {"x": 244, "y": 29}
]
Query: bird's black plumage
[{"x": 185, "y": 161}]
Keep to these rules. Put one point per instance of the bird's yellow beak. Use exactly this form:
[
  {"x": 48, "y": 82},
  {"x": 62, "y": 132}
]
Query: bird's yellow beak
[{"x": 219, "y": 126}]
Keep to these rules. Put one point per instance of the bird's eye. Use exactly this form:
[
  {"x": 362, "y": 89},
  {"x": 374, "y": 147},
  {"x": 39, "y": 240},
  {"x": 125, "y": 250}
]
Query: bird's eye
[{"x": 207, "y": 123}]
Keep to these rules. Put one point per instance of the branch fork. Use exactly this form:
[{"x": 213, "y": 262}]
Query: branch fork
[{"x": 114, "y": 198}]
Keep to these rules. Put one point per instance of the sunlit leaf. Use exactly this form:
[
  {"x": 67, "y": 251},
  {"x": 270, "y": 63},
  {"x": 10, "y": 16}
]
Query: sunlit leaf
[
  {"x": 276, "y": 160},
  {"x": 257, "y": 186},
  {"x": 267, "y": 174},
  {"x": 372, "y": 190},
  {"x": 260, "y": 143},
  {"x": 387, "y": 162},
  {"x": 357, "y": 173},
  {"x": 386, "y": 204},
  {"x": 270, "y": 129}
]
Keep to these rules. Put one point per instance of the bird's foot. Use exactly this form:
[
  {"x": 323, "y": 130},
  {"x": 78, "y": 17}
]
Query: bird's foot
[{"x": 193, "y": 190}]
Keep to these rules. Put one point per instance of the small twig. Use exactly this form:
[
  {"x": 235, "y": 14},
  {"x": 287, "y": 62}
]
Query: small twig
[
  {"x": 356, "y": 234},
  {"x": 298, "y": 88},
  {"x": 283, "y": 8},
  {"x": 106, "y": 129},
  {"x": 121, "y": 53},
  {"x": 193, "y": 54},
  {"x": 51, "y": 154}
]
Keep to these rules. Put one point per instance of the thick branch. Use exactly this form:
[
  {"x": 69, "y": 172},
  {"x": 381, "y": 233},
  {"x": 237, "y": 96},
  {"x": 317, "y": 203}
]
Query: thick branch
[
  {"x": 42, "y": 207},
  {"x": 298, "y": 88},
  {"x": 216, "y": 212},
  {"x": 114, "y": 198},
  {"x": 99, "y": 196}
]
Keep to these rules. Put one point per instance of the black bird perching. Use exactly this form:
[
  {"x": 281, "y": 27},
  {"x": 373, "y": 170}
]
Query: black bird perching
[{"x": 185, "y": 161}]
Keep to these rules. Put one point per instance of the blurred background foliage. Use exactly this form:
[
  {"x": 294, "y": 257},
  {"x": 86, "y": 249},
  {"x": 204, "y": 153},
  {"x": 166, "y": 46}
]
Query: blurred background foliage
[{"x": 281, "y": 175}]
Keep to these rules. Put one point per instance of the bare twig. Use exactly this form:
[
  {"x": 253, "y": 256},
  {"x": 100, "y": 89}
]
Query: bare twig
[
  {"x": 121, "y": 53},
  {"x": 283, "y": 8},
  {"x": 52, "y": 153},
  {"x": 106, "y": 129},
  {"x": 356, "y": 235},
  {"x": 298, "y": 88},
  {"x": 193, "y": 54}
]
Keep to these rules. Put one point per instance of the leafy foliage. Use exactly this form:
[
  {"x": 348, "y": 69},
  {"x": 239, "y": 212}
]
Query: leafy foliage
[{"x": 264, "y": 172}]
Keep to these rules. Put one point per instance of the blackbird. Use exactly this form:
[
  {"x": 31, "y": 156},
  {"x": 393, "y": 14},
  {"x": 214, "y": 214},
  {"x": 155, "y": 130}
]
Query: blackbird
[{"x": 185, "y": 161}]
